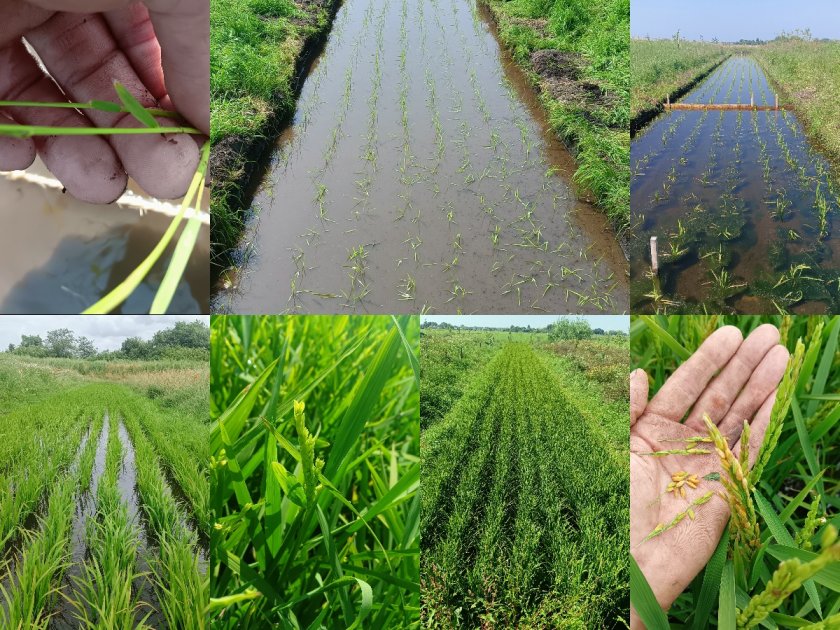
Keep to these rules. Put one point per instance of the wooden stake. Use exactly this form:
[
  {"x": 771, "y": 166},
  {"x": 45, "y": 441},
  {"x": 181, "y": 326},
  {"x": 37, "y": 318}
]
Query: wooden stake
[
  {"x": 777, "y": 101},
  {"x": 751, "y": 101},
  {"x": 654, "y": 256},
  {"x": 668, "y": 101}
]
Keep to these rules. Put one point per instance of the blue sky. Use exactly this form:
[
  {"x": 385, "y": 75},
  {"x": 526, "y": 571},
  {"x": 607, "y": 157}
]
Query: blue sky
[
  {"x": 605, "y": 322},
  {"x": 731, "y": 20}
]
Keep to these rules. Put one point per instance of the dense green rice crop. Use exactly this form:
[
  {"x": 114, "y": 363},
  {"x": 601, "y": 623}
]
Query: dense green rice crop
[
  {"x": 525, "y": 502},
  {"x": 315, "y": 473}
]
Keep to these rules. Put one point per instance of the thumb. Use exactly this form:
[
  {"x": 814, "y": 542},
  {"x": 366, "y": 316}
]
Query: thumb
[
  {"x": 183, "y": 31},
  {"x": 638, "y": 394}
]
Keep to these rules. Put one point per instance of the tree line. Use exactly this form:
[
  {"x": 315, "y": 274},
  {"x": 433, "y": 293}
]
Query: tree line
[{"x": 184, "y": 340}]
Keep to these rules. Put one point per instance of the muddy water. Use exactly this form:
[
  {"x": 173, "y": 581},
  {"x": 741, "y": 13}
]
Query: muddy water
[
  {"x": 735, "y": 200},
  {"x": 61, "y": 255},
  {"x": 417, "y": 176}
]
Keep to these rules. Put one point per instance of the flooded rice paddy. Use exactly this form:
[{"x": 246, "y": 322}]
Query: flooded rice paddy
[
  {"x": 743, "y": 207},
  {"x": 420, "y": 175}
]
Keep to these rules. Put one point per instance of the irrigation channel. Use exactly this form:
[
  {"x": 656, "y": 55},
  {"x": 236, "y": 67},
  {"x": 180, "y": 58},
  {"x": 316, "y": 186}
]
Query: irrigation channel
[
  {"x": 740, "y": 202},
  {"x": 419, "y": 174}
]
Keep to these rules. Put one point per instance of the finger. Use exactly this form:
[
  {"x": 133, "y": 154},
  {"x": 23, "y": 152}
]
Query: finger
[
  {"x": 763, "y": 381},
  {"x": 83, "y": 57},
  {"x": 638, "y": 394},
  {"x": 87, "y": 166},
  {"x": 135, "y": 36},
  {"x": 183, "y": 30},
  {"x": 758, "y": 428},
  {"x": 686, "y": 384},
  {"x": 724, "y": 388},
  {"x": 15, "y": 153},
  {"x": 18, "y": 18}
]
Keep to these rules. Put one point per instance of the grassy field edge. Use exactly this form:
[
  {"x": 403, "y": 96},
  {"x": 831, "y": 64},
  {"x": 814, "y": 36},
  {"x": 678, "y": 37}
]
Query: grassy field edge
[
  {"x": 602, "y": 153},
  {"x": 235, "y": 158},
  {"x": 818, "y": 117},
  {"x": 641, "y": 118}
]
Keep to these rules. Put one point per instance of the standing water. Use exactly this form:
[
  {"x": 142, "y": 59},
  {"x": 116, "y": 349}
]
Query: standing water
[
  {"x": 740, "y": 203},
  {"x": 419, "y": 173}
]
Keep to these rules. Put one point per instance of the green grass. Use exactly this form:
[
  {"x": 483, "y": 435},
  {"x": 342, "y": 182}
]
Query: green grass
[
  {"x": 316, "y": 510},
  {"x": 254, "y": 49},
  {"x": 600, "y": 133},
  {"x": 524, "y": 515},
  {"x": 662, "y": 67},
  {"x": 808, "y": 74},
  {"x": 801, "y": 474}
]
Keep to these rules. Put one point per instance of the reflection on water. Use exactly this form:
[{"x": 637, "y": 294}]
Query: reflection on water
[
  {"x": 742, "y": 206},
  {"x": 59, "y": 255}
]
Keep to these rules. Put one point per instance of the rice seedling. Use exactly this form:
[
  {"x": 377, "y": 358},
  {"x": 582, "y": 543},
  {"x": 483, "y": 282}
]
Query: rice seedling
[
  {"x": 128, "y": 104},
  {"x": 782, "y": 507},
  {"x": 322, "y": 525}
]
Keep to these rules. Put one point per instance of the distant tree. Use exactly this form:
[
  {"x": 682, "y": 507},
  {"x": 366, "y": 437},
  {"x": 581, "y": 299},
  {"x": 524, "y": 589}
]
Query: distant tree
[
  {"x": 11, "y": 347},
  {"x": 31, "y": 341},
  {"x": 60, "y": 343},
  {"x": 184, "y": 335},
  {"x": 570, "y": 328},
  {"x": 136, "y": 348},
  {"x": 597, "y": 331},
  {"x": 85, "y": 348}
]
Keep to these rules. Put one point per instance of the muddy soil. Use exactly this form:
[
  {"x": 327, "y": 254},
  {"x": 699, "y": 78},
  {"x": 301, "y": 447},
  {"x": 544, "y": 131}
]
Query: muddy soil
[{"x": 419, "y": 174}]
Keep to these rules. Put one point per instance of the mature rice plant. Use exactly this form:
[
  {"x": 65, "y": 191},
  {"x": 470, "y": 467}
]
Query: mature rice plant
[
  {"x": 777, "y": 563},
  {"x": 315, "y": 472}
]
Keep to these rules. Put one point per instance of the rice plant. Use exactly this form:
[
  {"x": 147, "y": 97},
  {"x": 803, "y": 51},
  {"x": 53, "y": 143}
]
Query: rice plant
[
  {"x": 775, "y": 562},
  {"x": 315, "y": 472},
  {"x": 524, "y": 491}
]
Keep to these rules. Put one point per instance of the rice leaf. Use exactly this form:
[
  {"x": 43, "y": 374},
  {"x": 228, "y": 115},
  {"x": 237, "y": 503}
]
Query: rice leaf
[
  {"x": 711, "y": 583},
  {"x": 643, "y": 600},
  {"x": 666, "y": 337},
  {"x": 726, "y": 605},
  {"x": 134, "y": 107}
]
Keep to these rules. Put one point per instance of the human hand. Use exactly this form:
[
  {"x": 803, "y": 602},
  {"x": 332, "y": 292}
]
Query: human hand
[
  {"x": 731, "y": 380},
  {"x": 158, "y": 49}
]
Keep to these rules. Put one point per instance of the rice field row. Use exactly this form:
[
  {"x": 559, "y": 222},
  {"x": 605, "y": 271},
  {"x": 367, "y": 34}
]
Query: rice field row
[
  {"x": 416, "y": 178},
  {"x": 93, "y": 532},
  {"x": 524, "y": 514}
]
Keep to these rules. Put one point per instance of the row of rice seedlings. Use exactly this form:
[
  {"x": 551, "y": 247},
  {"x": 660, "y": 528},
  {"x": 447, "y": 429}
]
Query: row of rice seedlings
[
  {"x": 34, "y": 448},
  {"x": 104, "y": 594},
  {"x": 33, "y": 581},
  {"x": 182, "y": 589},
  {"x": 181, "y": 445},
  {"x": 442, "y": 447}
]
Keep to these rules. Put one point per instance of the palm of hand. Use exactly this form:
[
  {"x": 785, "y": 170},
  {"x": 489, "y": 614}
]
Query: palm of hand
[{"x": 745, "y": 388}]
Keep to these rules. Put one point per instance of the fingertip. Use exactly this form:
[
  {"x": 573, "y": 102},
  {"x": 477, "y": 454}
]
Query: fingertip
[
  {"x": 86, "y": 166},
  {"x": 16, "y": 154},
  {"x": 727, "y": 334},
  {"x": 163, "y": 165},
  {"x": 767, "y": 330}
]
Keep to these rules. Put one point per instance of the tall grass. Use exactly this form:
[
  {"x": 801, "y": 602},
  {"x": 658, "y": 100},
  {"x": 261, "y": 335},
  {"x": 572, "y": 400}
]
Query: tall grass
[
  {"x": 795, "y": 488},
  {"x": 315, "y": 472}
]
